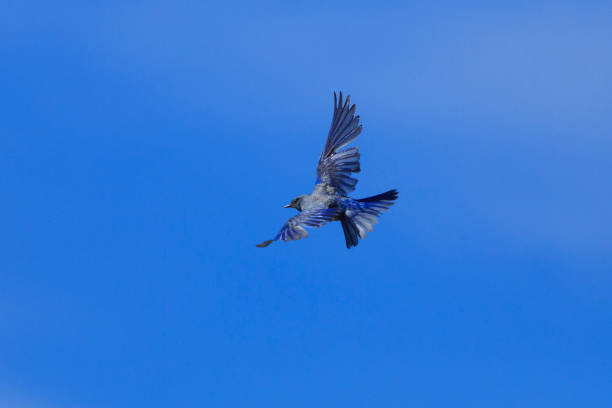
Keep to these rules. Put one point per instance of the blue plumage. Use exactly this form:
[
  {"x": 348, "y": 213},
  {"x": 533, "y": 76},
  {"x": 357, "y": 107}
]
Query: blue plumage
[{"x": 329, "y": 200}]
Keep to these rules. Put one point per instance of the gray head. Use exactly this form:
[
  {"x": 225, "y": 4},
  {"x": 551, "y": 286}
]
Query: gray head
[{"x": 296, "y": 203}]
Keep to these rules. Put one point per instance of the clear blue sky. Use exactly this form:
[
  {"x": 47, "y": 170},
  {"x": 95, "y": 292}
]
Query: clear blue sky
[{"x": 146, "y": 148}]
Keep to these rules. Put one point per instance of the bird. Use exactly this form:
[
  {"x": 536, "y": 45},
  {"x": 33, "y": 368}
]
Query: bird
[{"x": 329, "y": 200}]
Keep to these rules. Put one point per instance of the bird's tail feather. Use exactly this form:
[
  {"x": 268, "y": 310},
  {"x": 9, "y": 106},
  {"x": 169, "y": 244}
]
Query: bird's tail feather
[
  {"x": 386, "y": 196},
  {"x": 350, "y": 231},
  {"x": 362, "y": 214}
]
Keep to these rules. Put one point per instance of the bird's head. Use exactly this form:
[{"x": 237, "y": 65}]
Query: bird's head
[{"x": 296, "y": 203}]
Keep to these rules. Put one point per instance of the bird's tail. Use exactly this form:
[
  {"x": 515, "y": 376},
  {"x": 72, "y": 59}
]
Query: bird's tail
[{"x": 361, "y": 215}]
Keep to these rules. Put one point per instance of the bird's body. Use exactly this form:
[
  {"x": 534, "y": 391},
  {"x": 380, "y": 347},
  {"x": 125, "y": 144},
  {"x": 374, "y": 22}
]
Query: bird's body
[
  {"x": 321, "y": 197},
  {"x": 329, "y": 200}
]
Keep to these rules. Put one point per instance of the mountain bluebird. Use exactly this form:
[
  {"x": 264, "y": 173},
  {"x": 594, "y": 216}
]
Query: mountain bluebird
[{"x": 329, "y": 200}]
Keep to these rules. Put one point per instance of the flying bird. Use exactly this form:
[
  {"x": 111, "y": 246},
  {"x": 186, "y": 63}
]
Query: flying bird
[{"x": 329, "y": 201}]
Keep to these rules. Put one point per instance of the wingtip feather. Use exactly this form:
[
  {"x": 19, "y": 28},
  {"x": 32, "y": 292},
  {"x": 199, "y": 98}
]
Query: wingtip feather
[{"x": 265, "y": 243}]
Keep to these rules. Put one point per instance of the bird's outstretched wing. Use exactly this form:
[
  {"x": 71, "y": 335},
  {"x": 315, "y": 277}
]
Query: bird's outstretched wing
[
  {"x": 335, "y": 167},
  {"x": 293, "y": 228}
]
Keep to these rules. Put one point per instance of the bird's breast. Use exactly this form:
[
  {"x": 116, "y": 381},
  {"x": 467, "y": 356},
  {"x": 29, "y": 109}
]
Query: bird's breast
[{"x": 315, "y": 202}]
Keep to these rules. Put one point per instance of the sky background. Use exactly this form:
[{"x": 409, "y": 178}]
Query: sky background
[{"x": 145, "y": 148}]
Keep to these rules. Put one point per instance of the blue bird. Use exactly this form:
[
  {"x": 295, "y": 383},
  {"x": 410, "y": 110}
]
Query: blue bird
[{"x": 329, "y": 200}]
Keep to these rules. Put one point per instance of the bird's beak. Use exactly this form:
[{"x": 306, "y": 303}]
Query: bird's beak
[{"x": 288, "y": 205}]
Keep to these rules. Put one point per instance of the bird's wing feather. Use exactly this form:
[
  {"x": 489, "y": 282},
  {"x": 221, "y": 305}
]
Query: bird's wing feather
[
  {"x": 293, "y": 228},
  {"x": 335, "y": 165}
]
